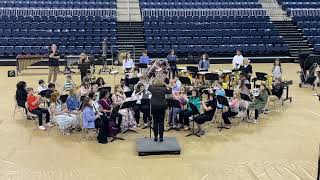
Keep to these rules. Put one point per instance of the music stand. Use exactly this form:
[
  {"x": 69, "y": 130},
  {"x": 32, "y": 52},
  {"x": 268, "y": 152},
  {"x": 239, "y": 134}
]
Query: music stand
[
  {"x": 229, "y": 92},
  {"x": 286, "y": 86},
  {"x": 113, "y": 115},
  {"x": 132, "y": 81},
  {"x": 245, "y": 97},
  {"x": 128, "y": 93},
  {"x": 125, "y": 105},
  {"x": 172, "y": 103},
  {"x": 194, "y": 111},
  {"x": 146, "y": 99},
  {"x": 224, "y": 102},
  {"x": 185, "y": 80},
  {"x": 259, "y": 76},
  {"x": 105, "y": 88},
  {"x": 43, "y": 93},
  {"x": 193, "y": 69}
]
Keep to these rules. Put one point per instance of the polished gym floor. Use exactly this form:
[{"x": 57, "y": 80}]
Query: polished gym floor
[{"x": 283, "y": 146}]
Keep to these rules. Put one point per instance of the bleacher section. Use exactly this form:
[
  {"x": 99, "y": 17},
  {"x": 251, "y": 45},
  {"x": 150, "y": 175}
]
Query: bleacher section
[
  {"x": 191, "y": 4},
  {"x": 73, "y": 34},
  {"x": 66, "y": 4},
  {"x": 292, "y": 4},
  {"x": 213, "y": 34}
]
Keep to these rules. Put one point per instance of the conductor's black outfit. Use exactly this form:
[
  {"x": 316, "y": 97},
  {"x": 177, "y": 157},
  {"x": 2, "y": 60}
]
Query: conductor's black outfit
[{"x": 158, "y": 109}]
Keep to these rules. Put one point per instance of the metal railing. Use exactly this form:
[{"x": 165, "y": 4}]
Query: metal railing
[
  {"x": 304, "y": 12},
  {"x": 57, "y": 12},
  {"x": 203, "y": 12}
]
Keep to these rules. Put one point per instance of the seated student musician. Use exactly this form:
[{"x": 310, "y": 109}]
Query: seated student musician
[
  {"x": 144, "y": 108},
  {"x": 204, "y": 63},
  {"x": 219, "y": 91},
  {"x": 42, "y": 86},
  {"x": 181, "y": 96},
  {"x": 118, "y": 98},
  {"x": 128, "y": 63},
  {"x": 100, "y": 82},
  {"x": 276, "y": 92},
  {"x": 246, "y": 68},
  {"x": 123, "y": 85},
  {"x": 21, "y": 94},
  {"x": 94, "y": 119},
  {"x": 51, "y": 89},
  {"x": 106, "y": 106},
  {"x": 73, "y": 102},
  {"x": 33, "y": 102},
  {"x": 85, "y": 87},
  {"x": 232, "y": 110},
  {"x": 185, "y": 114},
  {"x": 61, "y": 115},
  {"x": 259, "y": 103},
  {"x": 209, "y": 111},
  {"x": 69, "y": 84}
]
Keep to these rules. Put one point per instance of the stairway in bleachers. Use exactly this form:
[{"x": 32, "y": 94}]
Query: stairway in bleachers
[
  {"x": 131, "y": 36},
  {"x": 293, "y": 37}
]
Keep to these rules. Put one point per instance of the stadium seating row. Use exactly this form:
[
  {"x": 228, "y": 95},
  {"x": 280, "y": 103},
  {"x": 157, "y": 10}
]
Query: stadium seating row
[
  {"x": 210, "y": 19},
  {"x": 15, "y": 50},
  {"x": 215, "y": 40},
  {"x": 206, "y": 26},
  {"x": 97, "y": 40},
  {"x": 194, "y": 1},
  {"x": 210, "y": 33},
  {"x": 216, "y": 49},
  {"x": 62, "y": 19},
  {"x": 186, "y": 5},
  {"x": 59, "y": 4}
]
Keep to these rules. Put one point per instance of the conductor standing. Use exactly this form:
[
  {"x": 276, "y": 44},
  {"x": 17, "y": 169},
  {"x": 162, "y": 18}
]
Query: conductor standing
[{"x": 158, "y": 106}]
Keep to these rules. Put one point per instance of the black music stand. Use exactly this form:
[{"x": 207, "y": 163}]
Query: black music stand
[
  {"x": 44, "y": 93},
  {"x": 260, "y": 76},
  {"x": 224, "y": 102},
  {"x": 113, "y": 115},
  {"x": 211, "y": 77},
  {"x": 125, "y": 105},
  {"x": 245, "y": 97},
  {"x": 128, "y": 93},
  {"x": 185, "y": 80},
  {"x": 286, "y": 86},
  {"x": 146, "y": 99},
  {"x": 142, "y": 66},
  {"x": 193, "y": 69},
  {"x": 229, "y": 92},
  {"x": 172, "y": 103},
  {"x": 194, "y": 111},
  {"x": 105, "y": 88},
  {"x": 131, "y": 82}
]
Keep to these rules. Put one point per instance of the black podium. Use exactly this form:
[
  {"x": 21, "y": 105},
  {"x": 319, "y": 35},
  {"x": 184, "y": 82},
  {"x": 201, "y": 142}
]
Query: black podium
[{"x": 125, "y": 105}]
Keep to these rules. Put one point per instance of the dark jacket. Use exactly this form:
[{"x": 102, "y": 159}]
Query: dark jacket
[
  {"x": 158, "y": 100},
  {"x": 247, "y": 70},
  {"x": 21, "y": 97}
]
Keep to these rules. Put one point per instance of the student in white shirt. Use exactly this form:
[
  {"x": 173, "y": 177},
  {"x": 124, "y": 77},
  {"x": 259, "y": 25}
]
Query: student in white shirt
[
  {"x": 42, "y": 86},
  {"x": 237, "y": 60},
  {"x": 128, "y": 63}
]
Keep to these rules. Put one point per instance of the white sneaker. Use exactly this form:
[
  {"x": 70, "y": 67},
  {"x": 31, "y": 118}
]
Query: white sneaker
[
  {"x": 145, "y": 124},
  {"x": 49, "y": 124},
  {"x": 255, "y": 121},
  {"x": 42, "y": 128}
]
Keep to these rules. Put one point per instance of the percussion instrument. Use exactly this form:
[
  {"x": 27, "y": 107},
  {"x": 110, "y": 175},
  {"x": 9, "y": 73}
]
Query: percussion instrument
[{"x": 23, "y": 61}]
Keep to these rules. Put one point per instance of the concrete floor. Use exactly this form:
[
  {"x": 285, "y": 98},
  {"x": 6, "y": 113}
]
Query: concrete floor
[{"x": 283, "y": 146}]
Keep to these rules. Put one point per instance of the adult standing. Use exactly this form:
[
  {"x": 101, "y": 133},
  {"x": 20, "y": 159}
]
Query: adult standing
[
  {"x": 237, "y": 61},
  {"x": 54, "y": 57},
  {"x": 172, "y": 60},
  {"x": 158, "y": 106}
]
